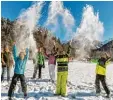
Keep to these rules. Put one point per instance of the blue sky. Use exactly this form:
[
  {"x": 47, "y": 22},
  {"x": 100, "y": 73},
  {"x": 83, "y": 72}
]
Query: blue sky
[{"x": 11, "y": 10}]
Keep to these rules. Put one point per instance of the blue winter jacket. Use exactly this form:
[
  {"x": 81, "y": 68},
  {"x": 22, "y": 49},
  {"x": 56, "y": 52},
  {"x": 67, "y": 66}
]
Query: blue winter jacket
[{"x": 19, "y": 64}]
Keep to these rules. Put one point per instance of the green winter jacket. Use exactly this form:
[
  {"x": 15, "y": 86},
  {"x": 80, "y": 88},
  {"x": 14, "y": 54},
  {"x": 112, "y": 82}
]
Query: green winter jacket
[{"x": 40, "y": 58}]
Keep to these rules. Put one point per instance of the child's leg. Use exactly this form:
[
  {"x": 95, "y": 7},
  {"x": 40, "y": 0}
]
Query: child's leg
[
  {"x": 97, "y": 84},
  {"x": 53, "y": 72},
  {"x": 35, "y": 71},
  {"x": 103, "y": 81},
  {"x": 50, "y": 71},
  {"x": 3, "y": 72},
  {"x": 23, "y": 84},
  {"x": 64, "y": 83},
  {"x": 40, "y": 71},
  {"x": 13, "y": 85},
  {"x": 8, "y": 73},
  {"x": 58, "y": 87}
]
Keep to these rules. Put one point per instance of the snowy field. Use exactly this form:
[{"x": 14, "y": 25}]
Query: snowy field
[{"x": 81, "y": 79}]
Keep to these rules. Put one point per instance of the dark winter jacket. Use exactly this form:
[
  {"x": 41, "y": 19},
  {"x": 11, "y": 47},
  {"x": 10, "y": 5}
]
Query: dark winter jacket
[{"x": 7, "y": 59}]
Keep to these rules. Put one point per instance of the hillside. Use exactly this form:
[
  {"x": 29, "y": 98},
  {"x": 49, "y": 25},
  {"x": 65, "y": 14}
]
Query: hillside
[
  {"x": 44, "y": 38},
  {"x": 107, "y": 47}
]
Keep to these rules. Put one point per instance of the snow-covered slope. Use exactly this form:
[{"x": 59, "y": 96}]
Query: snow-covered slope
[{"x": 81, "y": 79}]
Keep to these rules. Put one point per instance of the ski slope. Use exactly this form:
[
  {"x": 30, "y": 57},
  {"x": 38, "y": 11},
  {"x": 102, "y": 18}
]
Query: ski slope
[{"x": 80, "y": 86}]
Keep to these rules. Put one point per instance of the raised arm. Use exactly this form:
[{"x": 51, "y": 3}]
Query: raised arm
[
  {"x": 37, "y": 56},
  {"x": 94, "y": 60},
  {"x": 108, "y": 61},
  {"x": 68, "y": 51},
  {"x": 47, "y": 55},
  {"x": 14, "y": 52},
  {"x": 27, "y": 54}
]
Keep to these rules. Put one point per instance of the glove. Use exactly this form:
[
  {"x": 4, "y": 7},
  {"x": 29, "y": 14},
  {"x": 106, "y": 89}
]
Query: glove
[{"x": 43, "y": 66}]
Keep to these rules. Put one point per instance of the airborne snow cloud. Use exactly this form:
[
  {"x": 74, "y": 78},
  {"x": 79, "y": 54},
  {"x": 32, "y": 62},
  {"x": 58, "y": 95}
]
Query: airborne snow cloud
[
  {"x": 90, "y": 30},
  {"x": 25, "y": 25},
  {"x": 67, "y": 22}
]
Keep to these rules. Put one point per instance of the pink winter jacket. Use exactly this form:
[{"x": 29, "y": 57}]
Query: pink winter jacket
[{"x": 51, "y": 59}]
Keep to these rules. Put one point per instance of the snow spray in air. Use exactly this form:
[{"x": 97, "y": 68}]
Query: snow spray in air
[
  {"x": 25, "y": 24},
  {"x": 65, "y": 25},
  {"x": 89, "y": 33}
]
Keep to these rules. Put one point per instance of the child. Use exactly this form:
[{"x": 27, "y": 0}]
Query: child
[
  {"x": 40, "y": 61},
  {"x": 7, "y": 63},
  {"x": 62, "y": 72},
  {"x": 101, "y": 74},
  {"x": 51, "y": 64},
  {"x": 20, "y": 63}
]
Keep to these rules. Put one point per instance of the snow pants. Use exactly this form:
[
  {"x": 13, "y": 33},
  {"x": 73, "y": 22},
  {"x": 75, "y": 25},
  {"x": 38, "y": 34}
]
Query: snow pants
[
  {"x": 52, "y": 71},
  {"x": 15, "y": 78},
  {"x": 38, "y": 67},
  {"x": 4, "y": 70},
  {"x": 101, "y": 78},
  {"x": 61, "y": 83}
]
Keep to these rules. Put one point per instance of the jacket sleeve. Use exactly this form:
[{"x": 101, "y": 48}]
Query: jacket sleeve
[
  {"x": 11, "y": 60},
  {"x": 2, "y": 58},
  {"x": 94, "y": 60},
  {"x": 37, "y": 57},
  {"x": 27, "y": 54},
  {"x": 68, "y": 52},
  {"x": 47, "y": 55},
  {"x": 44, "y": 60},
  {"x": 15, "y": 52},
  {"x": 108, "y": 61}
]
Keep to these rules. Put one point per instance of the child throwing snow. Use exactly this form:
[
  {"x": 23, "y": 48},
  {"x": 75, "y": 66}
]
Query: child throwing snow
[
  {"x": 101, "y": 74},
  {"x": 51, "y": 64},
  {"x": 40, "y": 63},
  {"x": 20, "y": 63},
  {"x": 62, "y": 72},
  {"x": 7, "y": 63}
]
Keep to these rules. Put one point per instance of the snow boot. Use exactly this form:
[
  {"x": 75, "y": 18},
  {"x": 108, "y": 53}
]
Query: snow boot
[
  {"x": 64, "y": 95},
  {"x": 32, "y": 77},
  {"x": 25, "y": 95},
  {"x": 53, "y": 81},
  {"x": 10, "y": 98},
  {"x": 56, "y": 94},
  {"x": 107, "y": 96},
  {"x": 97, "y": 94}
]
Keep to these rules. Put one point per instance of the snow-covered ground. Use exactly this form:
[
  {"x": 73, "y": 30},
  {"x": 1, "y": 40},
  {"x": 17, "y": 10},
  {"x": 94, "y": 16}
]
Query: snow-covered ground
[{"x": 81, "y": 79}]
